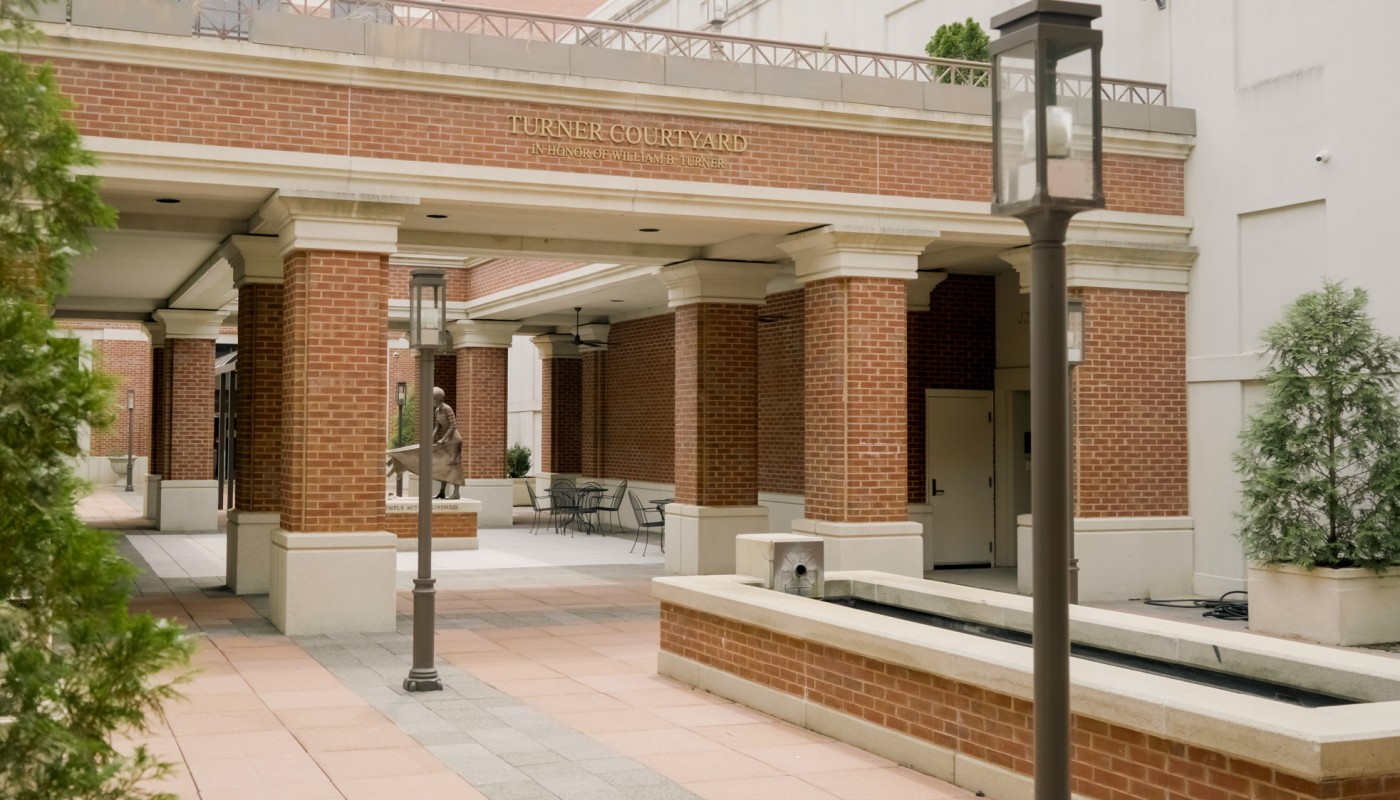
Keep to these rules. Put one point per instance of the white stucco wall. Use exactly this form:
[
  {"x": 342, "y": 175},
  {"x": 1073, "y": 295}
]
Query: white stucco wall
[{"x": 523, "y": 398}]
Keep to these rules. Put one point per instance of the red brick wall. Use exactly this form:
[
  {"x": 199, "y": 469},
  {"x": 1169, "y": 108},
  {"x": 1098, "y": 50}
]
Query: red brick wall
[
  {"x": 716, "y": 405},
  {"x": 445, "y": 378},
  {"x": 191, "y": 417},
  {"x": 159, "y": 409},
  {"x": 130, "y": 362},
  {"x": 188, "y": 106},
  {"x": 445, "y": 526},
  {"x": 953, "y": 345},
  {"x": 780, "y": 393},
  {"x": 507, "y": 273},
  {"x": 856, "y": 402},
  {"x": 481, "y": 410},
  {"x": 335, "y": 324},
  {"x": 1130, "y": 405},
  {"x": 593, "y": 412},
  {"x": 561, "y": 418},
  {"x": 640, "y": 395},
  {"x": 1110, "y": 762},
  {"x": 258, "y": 456},
  {"x": 400, "y": 275}
]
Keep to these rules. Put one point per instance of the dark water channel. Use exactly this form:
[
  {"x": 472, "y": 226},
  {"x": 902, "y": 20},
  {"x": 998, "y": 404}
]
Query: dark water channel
[{"x": 1183, "y": 672}]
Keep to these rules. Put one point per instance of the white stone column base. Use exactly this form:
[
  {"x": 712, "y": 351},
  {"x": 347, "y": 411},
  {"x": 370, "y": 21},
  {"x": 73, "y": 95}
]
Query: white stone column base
[
  {"x": 497, "y": 496},
  {"x": 332, "y": 582},
  {"x": 896, "y": 547},
  {"x": 249, "y": 550},
  {"x": 188, "y": 506},
  {"x": 1120, "y": 558},
  {"x": 151, "y": 509},
  {"x": 922, "y": 514},
  {"x": 700, "y": 539}
]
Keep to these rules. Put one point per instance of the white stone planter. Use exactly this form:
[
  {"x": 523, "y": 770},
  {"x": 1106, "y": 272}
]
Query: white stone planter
[
  {"x": 520, "y": 496},
  {"x": 118, "y": 466},
  {"x": 1330, "y": 606}
]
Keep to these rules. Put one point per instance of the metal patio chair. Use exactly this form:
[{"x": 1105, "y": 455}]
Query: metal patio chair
[
  {"x": 612, "y": 504},
  {"x": 646, "y": 524},
  {"x": 541, "y": 507}
]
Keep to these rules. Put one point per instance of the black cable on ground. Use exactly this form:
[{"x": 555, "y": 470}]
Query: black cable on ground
[{"x": 1217, "y": 609}]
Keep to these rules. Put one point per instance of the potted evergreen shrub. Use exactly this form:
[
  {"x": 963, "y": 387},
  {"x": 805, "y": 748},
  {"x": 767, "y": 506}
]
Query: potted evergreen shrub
[
  {"x": 1320, "y": 467},
  {"x": 517, "y": 468}
]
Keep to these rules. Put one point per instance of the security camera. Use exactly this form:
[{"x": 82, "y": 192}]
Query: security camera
[{"x": 1322, "y": 156}]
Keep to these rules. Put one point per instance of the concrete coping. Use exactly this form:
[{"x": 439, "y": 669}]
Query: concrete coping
[
  {"x": 1314, "y": 743},
  {"x": 405, "y": 505}
]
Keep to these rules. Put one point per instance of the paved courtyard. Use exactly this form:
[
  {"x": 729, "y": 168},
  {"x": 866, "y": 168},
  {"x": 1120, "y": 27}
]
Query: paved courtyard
[{"x": 547, "y": 648}]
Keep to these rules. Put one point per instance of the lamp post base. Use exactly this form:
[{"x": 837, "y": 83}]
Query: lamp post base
[{"x": 422, "y": 683}]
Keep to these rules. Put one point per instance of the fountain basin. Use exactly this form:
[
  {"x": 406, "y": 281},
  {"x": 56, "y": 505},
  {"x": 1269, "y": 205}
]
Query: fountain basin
[{"x": 958, "y": 706}]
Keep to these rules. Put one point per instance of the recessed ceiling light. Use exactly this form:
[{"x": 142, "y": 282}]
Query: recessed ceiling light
[
  {"x": 167, "y": 200},
  {"x": 437, "y": 216},
  {"x": 615, "y": 301},
  {"x": 649, "y": 230}
]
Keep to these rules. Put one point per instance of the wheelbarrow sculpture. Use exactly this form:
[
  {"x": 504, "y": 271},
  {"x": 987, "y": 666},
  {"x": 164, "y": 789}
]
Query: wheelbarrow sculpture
[
  {"x": 447, "y": 451},
  {"x": 404, "y": 461}
]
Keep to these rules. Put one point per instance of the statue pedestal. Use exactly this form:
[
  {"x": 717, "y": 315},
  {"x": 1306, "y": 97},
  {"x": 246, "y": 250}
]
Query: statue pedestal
[{"x": 454, "y": 523}]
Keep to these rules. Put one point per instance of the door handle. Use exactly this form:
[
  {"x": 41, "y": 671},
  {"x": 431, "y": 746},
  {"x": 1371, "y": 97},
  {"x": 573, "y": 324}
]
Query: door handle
[{"x": 933, "y": 490}]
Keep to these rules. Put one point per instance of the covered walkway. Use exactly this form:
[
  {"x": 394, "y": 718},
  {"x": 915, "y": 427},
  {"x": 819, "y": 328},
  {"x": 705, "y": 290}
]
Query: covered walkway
[{"x": 547, "y": 649}]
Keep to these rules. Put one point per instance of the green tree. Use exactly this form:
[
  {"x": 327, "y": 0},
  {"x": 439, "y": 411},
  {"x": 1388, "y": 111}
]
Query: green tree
[
  {"x": 963, "y": 41},
  {"x": 76, "y": 667},
  {"x": 1320, "y": 458},
  {"x": 409, "y": 415},
  {"x": 517, "y": 460}
]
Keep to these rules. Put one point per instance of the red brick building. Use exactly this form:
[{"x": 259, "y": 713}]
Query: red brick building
[{"x": 792, "y": 294}]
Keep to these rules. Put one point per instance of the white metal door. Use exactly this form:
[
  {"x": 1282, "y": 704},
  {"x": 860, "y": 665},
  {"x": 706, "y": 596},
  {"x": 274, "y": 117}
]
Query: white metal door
[{"x": 960, "y": 457}]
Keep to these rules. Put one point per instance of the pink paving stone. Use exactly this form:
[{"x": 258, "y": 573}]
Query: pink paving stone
[
  {"x": 540, "y": 686},
  {"x": 362, "y": 737},
  {"x": 665, "y": 698},
  {"x": 588, "y": 664},
  {"x": 637, "y": 743},
  {"x": 313, "y": 699},
  {"x": 437, "y": 786},
  {"x": 245, "y": 744},
  {"x": 209, "y": 703},
  {"x": 514, "y": 671},
  {"x": 779, "y": 787},
  {"x": 297, "y": 719},
  {"x": 698, "y": 716},
  {"x": 291, "y": 681},
  {"x": 592, "y": 722},
  {"x": 628, "y": 682},
  {"x": 223, "y": 722},
  {"x": 716, "y": 765},
  {"x": 577, "y": 703},
  {"x": 802, "y": 759},
  {"x": 255, "y": 775},
  {"x": 344, "y": 765},
  {"x": 772, "y": 734},
  {"x": 890, "y": 782}
]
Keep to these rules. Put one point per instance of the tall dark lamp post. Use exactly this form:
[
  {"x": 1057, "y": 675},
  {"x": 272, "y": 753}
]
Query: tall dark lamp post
[
  {"x": 401, "y": 398},
  {"x": 427, "y": 324},
  {"x": 1047, "y": 165},
  {"x": 130, "y": 437}
]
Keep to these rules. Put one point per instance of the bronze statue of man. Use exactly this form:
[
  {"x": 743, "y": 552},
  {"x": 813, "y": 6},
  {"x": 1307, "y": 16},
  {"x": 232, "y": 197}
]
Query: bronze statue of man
[{"x": 447, "y": 447}]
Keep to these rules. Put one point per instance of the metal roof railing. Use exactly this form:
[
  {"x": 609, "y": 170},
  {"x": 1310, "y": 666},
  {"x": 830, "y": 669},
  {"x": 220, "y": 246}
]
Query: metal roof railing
[{"x": 229, "y": 19}]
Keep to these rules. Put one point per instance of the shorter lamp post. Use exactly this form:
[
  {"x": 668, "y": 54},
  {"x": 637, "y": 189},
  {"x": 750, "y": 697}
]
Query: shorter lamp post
[
  {"x": 1074, "y": 345},
  {"x": 130, "y": 437},
  {"x": 427, "y": 321},
  {"x": 1047, "y": 165},
  {"x": 401, "y": 398}
]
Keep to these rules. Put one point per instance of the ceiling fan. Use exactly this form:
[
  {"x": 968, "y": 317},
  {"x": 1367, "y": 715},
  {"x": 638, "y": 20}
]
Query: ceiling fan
[{"x": 580, "y": 342}]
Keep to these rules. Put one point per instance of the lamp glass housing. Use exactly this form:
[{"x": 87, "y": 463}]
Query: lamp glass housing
[
  {"x": 1047, "y": 131},
  {"x": 402, "y": 396},
  {"x": 130, "y": 399},
  {"x": 1074, "y": 332},
  {"x": 427, "y": 309}
]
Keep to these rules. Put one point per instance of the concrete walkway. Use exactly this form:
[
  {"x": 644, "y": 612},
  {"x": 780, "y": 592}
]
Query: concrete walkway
[{"x": 547, "y": 646}]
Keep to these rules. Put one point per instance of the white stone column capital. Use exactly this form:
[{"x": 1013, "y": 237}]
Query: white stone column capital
[
  {"x": 848, "y": 252},
  {"x": 190, "y": 324},
  {"x": 482, "y": 333},
  {"x": 733, "y": 282},
  {"x": 155, "y": 330},
  {"x": 307, "y": 220},
  {"x": 1105, "y": 264},
  {"x": 596, "y": 332},
  {"x": 255, "y": 259},
  {"x": 917, "y": 291},
  {"x": 556, "y": 345}
]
